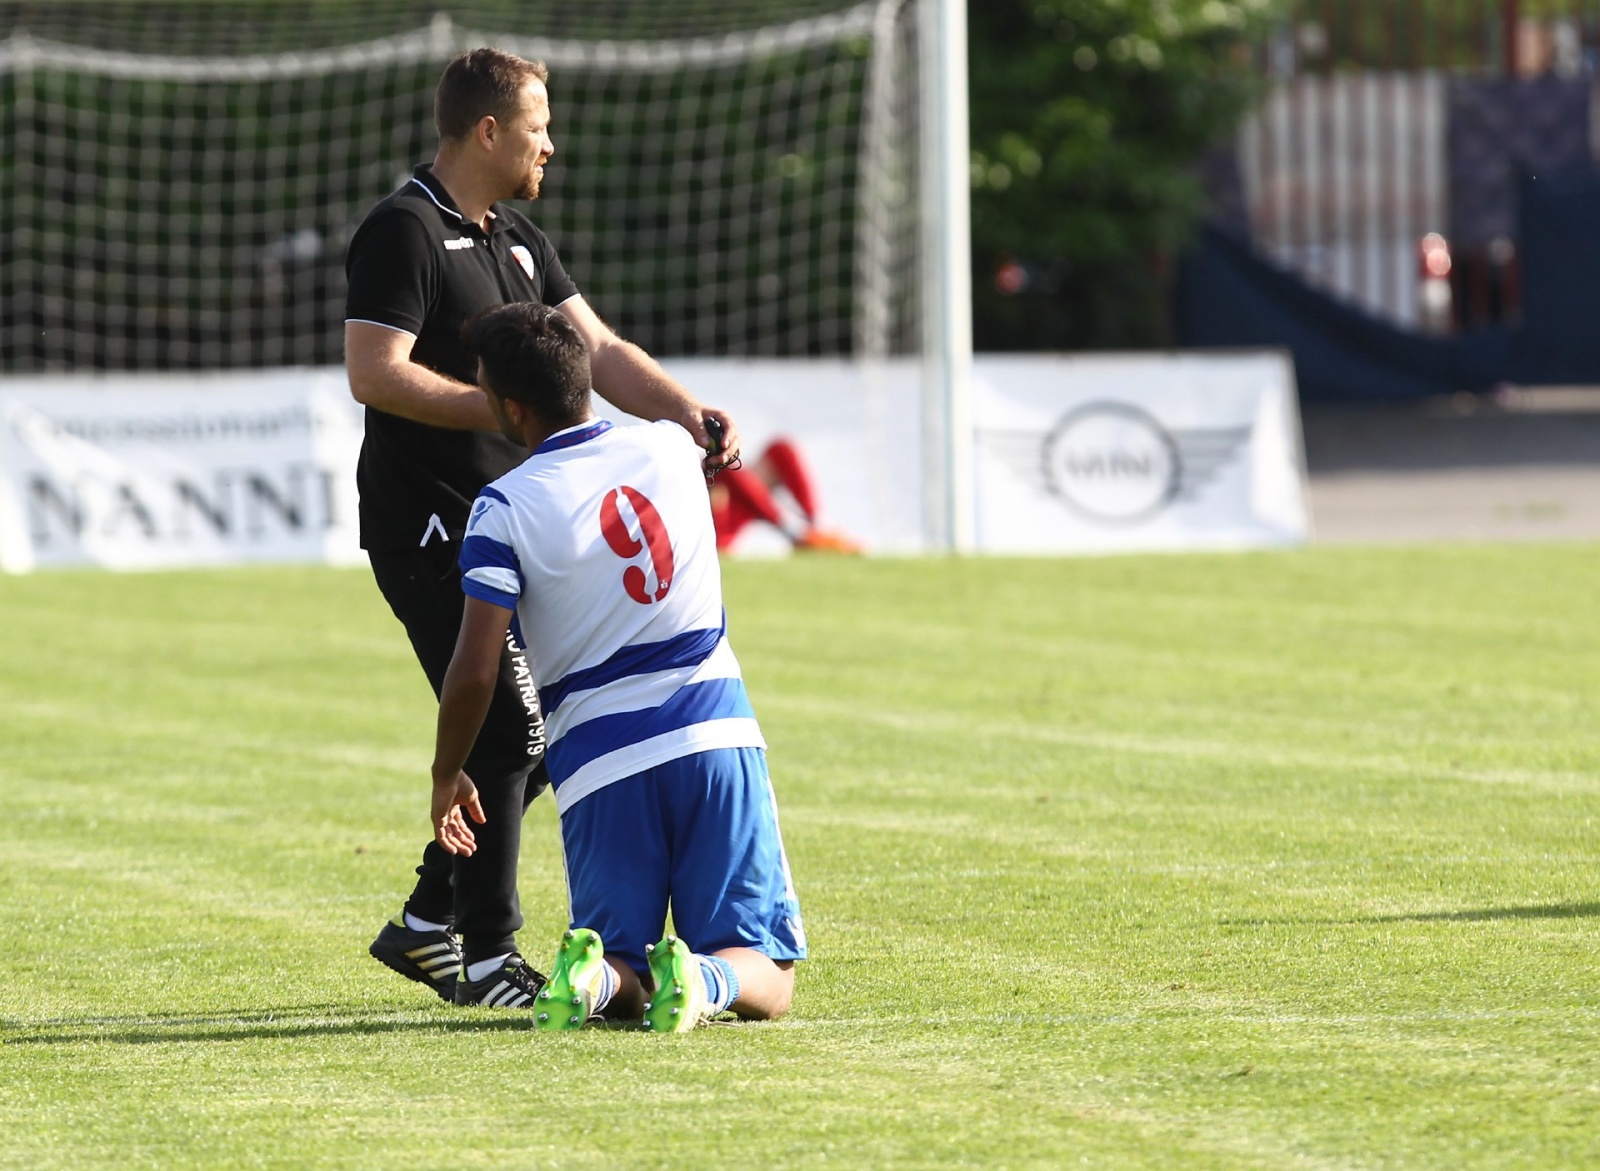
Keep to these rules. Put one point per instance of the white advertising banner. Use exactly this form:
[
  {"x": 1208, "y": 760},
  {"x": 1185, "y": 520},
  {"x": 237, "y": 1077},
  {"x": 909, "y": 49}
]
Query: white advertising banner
[
  {"x": 148, "y": 471},
  {"x": 1072, "y": 454},
  {"x": 145, "y": 472},
  {"x": 1130, "y": 452},
  {"x": 857, "y": 426}
]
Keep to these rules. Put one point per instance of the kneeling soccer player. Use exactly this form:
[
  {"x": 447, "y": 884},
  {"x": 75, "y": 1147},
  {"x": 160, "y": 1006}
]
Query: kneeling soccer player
[{"x": 601, "y": 548}]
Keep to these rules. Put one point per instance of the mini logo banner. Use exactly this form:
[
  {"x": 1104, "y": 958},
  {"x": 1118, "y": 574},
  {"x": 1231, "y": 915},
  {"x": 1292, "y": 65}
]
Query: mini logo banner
[
  {"x": 1101, "y": 453},
  {"x": 524, "y": 258},
  {"x": 1111, "y": 461}
]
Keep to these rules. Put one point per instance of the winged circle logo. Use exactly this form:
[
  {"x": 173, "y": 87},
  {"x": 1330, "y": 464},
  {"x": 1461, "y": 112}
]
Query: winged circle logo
[{"x": 1112, "y": 462}]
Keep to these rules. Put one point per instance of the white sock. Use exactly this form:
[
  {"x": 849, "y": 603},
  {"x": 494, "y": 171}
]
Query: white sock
[
  {"x": 417, "y": 924},
  {"x": 721, "y": 983},
  {"x": 609, "y": 984},
  {"x": 482, "y": 968}
]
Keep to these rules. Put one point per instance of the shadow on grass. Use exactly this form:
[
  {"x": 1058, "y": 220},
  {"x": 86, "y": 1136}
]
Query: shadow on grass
[
  {"x": 1553, "y": 911},
  {"x": 299, "y": 1021},
  {"x": 1487, "y": 914}
]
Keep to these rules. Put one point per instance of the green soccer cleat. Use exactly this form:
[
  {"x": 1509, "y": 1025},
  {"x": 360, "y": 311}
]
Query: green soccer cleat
[
  {"x": 679, "y": 1002},
  {"x": 563, "y": 1004}
]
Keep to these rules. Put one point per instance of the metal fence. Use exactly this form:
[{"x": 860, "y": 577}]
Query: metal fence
[
  {"x": 1507, "y": 37},
  {"x": 1384, "y": 163}
]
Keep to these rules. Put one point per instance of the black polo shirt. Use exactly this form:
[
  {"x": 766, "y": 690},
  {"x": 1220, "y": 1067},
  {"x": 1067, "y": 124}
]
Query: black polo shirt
[{"x": 415, "y": 264}]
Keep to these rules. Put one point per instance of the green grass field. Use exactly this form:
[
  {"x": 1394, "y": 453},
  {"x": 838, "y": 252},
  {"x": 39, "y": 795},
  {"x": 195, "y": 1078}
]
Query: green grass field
[{"x": 1280, "y": 860}]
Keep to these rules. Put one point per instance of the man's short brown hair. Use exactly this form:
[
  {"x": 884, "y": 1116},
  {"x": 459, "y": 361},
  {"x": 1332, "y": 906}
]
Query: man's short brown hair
[{"x": 478, "y": 83}]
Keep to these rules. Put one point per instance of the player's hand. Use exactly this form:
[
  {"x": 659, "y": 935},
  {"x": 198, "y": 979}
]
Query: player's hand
[
  {"x": 722, "y": 450},
  {"x": 450, "y": 829}
]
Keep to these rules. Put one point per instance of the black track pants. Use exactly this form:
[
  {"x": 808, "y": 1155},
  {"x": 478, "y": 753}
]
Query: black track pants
[{"x": 423, "y": 588}]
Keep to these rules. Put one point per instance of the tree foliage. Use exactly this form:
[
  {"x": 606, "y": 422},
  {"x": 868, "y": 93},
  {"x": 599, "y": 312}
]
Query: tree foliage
[{"x": 1087, "y": 119}]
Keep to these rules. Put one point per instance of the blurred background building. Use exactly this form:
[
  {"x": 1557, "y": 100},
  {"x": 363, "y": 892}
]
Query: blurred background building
[
  {"x": 1398, "y": 190},
  {"x": 1430, "y": 166}
]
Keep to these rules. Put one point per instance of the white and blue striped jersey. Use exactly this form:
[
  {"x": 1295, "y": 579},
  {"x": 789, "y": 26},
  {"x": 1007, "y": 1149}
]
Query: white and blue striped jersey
[{"x": 602, "y": 543}]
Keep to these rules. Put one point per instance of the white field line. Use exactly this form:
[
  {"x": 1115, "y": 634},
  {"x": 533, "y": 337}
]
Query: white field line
[
  {"x": 1126, "y": 861},
  {"x": 196, "y": 732},
  {"x": 1233, "y": 751},
  {"x": 1562, "y": 1014}
]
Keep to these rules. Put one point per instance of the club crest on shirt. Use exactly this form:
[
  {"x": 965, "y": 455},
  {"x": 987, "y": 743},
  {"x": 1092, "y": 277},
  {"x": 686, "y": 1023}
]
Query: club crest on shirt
[
  {"x": 479, "y": 507},
  {"x": 524, "y": 258}
]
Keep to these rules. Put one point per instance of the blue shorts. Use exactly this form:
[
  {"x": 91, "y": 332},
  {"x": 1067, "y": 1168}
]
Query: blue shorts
[{"x": 700, "y": 833}]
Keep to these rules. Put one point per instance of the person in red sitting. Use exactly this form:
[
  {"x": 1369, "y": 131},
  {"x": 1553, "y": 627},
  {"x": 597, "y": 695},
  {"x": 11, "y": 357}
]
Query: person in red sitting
[{"x": 740, "y": 495}]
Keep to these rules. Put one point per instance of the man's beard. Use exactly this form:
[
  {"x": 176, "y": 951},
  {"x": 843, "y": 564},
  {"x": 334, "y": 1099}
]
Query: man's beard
[{"x": 528, "y": 188}]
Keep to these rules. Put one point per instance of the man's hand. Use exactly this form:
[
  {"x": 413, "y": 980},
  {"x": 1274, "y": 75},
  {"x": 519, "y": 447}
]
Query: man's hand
[
  {"x": 450, "y": 829},
  {"x": 463, "y": 701},
  {"x": 627, "y": 377},
  {"x": 721, "y": 441}
]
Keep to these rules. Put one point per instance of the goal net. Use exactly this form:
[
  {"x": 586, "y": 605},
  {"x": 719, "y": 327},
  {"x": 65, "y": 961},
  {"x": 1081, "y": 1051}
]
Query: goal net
[{"x": 180, "y": 179}]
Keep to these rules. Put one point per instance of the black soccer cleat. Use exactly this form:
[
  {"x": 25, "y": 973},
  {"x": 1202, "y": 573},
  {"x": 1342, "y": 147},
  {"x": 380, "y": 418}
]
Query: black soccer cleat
[
  {"x": 513, "y": 985},
  {"x": 428, "y": 957}
]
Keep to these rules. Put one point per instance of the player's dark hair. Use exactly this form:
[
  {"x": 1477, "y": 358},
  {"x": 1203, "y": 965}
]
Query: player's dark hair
[
  {"x": 478, "y": 83},
  {"x": 534, "y": 355}
]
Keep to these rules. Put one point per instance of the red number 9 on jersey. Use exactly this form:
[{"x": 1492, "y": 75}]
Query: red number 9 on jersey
[{"x": 625, "y": 545}]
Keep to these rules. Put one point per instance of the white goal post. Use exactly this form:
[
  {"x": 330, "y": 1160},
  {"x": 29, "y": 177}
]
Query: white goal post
[{"x": 947, "y": 280}]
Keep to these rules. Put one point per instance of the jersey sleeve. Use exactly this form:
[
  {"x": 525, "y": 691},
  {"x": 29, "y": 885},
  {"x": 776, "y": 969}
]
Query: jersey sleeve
[
  {"x": 391, "y": 273},
  {"x": 677, "y": 443},
  {"x": 490, "y": 570},
  {"x": 558, "y": 286}
]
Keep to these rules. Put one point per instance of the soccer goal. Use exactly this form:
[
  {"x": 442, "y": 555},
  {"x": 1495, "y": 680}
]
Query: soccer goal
[{"x": 742, "y": 180}]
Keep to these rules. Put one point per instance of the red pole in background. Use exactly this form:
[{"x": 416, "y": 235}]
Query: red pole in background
[{"x": 1510, "y": 18}]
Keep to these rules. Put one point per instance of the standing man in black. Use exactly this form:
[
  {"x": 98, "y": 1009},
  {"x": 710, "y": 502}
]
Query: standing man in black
[{"x": 426, "y": 259}]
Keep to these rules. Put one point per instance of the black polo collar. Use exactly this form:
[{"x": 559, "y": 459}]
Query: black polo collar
[{"x": 422, "y": 175}]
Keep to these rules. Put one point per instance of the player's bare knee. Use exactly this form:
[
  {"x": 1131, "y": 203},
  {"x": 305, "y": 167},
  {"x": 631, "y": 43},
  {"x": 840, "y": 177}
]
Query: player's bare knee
[
  {"x": 768, "y": 1008},
  {"x": 780, "y": 1003},
  {"x": 772, "y": 998}
]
